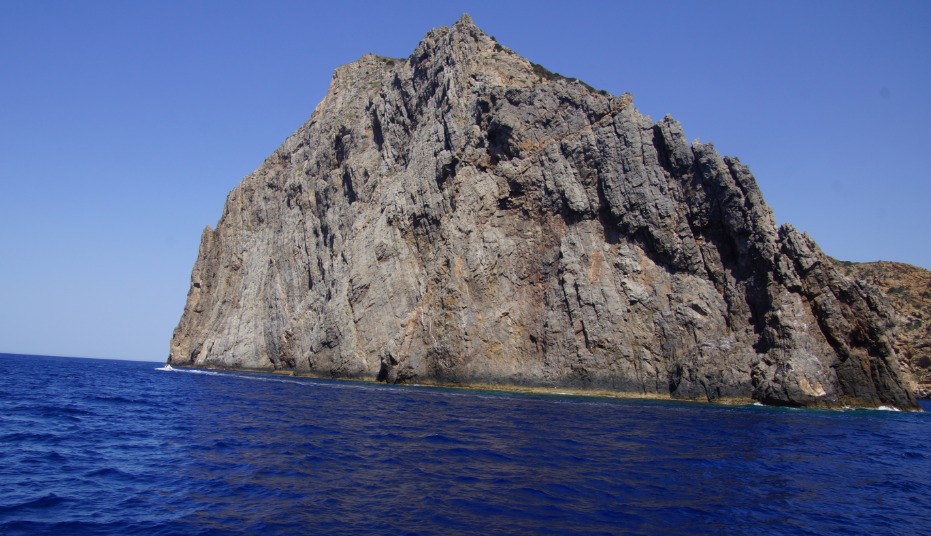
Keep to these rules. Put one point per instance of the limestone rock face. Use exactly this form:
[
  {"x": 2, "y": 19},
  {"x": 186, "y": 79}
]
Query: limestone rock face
[
  {"x": 909, "y": 291},
  {"x": 463, "y": 216}
]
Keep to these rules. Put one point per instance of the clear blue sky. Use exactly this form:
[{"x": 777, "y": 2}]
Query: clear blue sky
[{"x": 123, "y": 125}]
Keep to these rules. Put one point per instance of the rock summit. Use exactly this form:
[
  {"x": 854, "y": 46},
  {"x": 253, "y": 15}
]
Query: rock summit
[{"x": 463, "y": 216}]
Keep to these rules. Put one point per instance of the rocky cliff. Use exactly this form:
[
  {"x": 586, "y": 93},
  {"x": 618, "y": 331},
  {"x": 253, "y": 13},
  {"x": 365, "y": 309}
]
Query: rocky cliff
[
  {"x": 909, "y": 291},
  {"x": 465, "y": 216}
]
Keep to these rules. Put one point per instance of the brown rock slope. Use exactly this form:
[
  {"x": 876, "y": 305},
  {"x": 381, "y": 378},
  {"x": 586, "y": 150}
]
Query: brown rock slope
[
  {"x": 463, "y": 216},
  {"x": 909, "y": 291}
]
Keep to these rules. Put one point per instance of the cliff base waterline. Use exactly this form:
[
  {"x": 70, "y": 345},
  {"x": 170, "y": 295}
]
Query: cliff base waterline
[{"x": 499, "y": 387}]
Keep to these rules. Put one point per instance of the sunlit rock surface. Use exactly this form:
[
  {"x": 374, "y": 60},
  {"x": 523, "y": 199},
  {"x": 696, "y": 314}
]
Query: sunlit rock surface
[{"x": 463, "y": 216}]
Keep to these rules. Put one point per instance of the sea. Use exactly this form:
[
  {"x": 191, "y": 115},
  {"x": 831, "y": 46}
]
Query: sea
[{"x": 91, "y": 446}]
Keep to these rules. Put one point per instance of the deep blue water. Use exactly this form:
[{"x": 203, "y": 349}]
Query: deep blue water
[{"x": 118, "y": 447}]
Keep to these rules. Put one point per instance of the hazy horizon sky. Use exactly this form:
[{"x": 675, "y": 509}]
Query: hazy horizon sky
[{"x": 123, "y": 126}]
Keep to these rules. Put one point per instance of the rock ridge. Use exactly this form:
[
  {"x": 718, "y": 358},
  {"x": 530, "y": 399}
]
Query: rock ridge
[{"x": 464, "y": 216}]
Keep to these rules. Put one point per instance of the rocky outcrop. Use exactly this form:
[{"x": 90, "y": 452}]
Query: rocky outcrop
[
  {"x": 463, "y": 216},
  {"x": 908, "y": 289}
]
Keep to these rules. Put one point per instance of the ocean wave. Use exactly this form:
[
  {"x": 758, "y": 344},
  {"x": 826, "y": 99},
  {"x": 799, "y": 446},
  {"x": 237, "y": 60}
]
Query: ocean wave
[
  {"x": 121, "y": 400},
  {"x": 887, "y": 408},
  {"x": 169, "y": 368},
  {"x": 49, "y": 500},
  {"x": 109, "y": 472}
]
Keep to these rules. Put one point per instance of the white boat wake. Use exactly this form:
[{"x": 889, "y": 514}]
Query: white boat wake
[{"x": 169, "y": 368}]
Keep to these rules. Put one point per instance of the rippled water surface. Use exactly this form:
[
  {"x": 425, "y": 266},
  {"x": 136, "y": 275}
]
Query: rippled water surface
[{"x": 118, "y": 447}]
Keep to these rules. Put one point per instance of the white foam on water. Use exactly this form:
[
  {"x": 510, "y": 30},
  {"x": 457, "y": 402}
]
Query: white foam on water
[
  {"x": 169, "y": 368},
  {"x": 263, "y": 379},
  {"x": 880, "y": 408},
  {"x": 192, "y": 371}
]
